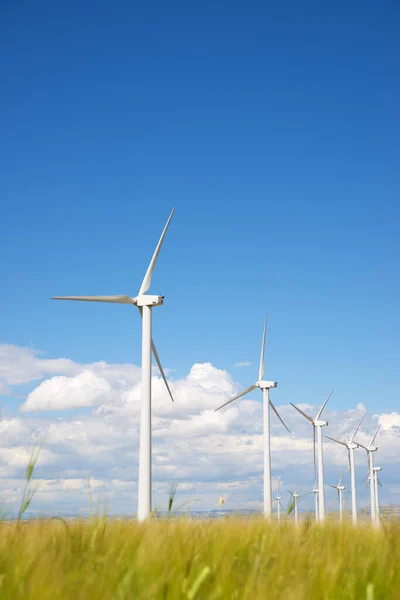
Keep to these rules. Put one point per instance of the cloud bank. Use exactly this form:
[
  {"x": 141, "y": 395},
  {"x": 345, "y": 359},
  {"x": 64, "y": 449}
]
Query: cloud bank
[{"x": 94, "y": 434}]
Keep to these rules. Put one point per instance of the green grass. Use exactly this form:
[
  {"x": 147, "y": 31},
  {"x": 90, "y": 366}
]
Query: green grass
[{"x": 185, "y": 559}]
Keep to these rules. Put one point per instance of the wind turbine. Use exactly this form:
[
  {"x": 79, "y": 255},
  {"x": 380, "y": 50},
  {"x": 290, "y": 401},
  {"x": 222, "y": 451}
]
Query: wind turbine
[
  {"x": 351, "y": 445},
  {"x": 278, "y": 500},
  {"x": 370, "y": 449},
  {"x": 316, "y": 499},
  {"x": 264, "y": 386},
  {"x": 145, "y": 303},
  {"x": 317, "y": 425},
  {"x": 295, "y": 495},
  {"x": 340, "y": 488}
]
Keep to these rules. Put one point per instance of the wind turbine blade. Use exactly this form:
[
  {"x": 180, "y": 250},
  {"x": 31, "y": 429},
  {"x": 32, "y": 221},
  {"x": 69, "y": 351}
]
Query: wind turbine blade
[
  {"x": 279, "y": 417},
  {"x": 261, "y": 370},
  {"x": 366, "y": 483},
  {"x": 291, "y": 493},
  {"x": 161, "y": 369},
  {"x": 357, "y": 428},
  {"x": 374, "y": 438},
  {"x": 250, "y": 389},
  {"x": 281, "y": 505},
  {"x": 337, "y": 441},
  {"x": 323, "y": 406},
  {"x": 308, "y": 493},
  {"x": 113, "y": 299},
  {"x": 303, "y": 413},
  {"x": 147, "y": 278},
  {"x": 379, "y": 481},
  {"x": 333, "y": 486}
]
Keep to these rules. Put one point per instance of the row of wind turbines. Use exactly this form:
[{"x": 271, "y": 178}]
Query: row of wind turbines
[
  {"x": 145, "y": 303},
  {"x": 317, "y": 423}
]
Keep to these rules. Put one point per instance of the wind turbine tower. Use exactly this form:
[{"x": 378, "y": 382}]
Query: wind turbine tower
[
  {"x": 351, "y": 445},
  {"x": 375, "y": 483},
  {"x": 316, "y": 499},
  {"x": 340, "y": 489},
  {"x": 278, "y": 500},
  {"x": 370, "y": 449},
  {"x": 145, "y": 303},
  {"x": 317, "y": 424},
  {"x": 264, "y": 386},
  {"x": 295, "y": 495}
]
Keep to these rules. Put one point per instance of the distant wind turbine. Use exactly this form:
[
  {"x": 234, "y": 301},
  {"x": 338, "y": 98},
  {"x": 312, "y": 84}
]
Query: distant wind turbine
[
  {"x": 316, "y": 499},
  {"x": 264, "y": 386},
  {"x": 351, "y": 445},
  {"x": 295, "y": 495},
  {"x": 370, "y": 449},
  {"x": 317, "y": 425},
  {"x": 278, "y": 500},
  {"x": 145, "y": 303},
  {"x": 340, "y": 488}
]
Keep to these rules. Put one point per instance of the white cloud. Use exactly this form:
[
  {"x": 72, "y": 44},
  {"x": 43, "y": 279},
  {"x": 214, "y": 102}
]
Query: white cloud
[
  {"x": 205, "y": 451},
  {"x": 244, "y": 363},
  {"x": 389, "y": 421},
  {"x": 61, "y": 392}
]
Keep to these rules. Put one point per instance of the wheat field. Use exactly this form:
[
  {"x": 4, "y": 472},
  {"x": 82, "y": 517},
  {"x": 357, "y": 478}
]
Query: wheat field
[{"x": 232, "y": 558}]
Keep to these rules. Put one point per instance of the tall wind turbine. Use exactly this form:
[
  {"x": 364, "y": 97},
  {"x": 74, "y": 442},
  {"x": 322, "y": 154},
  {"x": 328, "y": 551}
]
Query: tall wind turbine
[
  {"x": 317, "y": 425},
  {"x": 370, "y": 449},
  {"x": 145, "y": 303},
  {"x": 340, "y": 488},
  {"x": 351, "y": 445},
  {"x": 264, "y": 386}
]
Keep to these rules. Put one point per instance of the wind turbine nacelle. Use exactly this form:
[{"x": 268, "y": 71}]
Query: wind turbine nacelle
[
  {"x": 267, "y": 384},
  {"x": 341, "y": 487},
  {"x": 352, "y": 446},
  {"x": 377, "y": 468},
  {"x": 148, "y": 300},
  {"x": 320, "y": 423},
  {"x": 372, "y": 448}
]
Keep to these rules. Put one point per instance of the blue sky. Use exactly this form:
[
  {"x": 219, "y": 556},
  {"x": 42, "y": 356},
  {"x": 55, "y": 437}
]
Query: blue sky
[{"x": 272, "y": 127}]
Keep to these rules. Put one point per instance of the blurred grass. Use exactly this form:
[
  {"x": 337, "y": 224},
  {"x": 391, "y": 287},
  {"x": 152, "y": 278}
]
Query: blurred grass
[{"x": 181, "y": 558}]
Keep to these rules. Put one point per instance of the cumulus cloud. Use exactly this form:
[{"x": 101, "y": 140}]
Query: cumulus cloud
[{"x": 204, "y": 451}]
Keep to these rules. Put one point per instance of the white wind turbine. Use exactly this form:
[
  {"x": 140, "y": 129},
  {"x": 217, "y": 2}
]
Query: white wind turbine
[
  {"x": 264, "y": 386},
  {"x": 340, "y": 488},
  {"x": 317, "y": 425},
  {"x": 316, "y": 500},
  {"x": 295, "y": 495},
  {"x": 370, "y": 449},
  {"x": 278, "y": 500},
  {"x": 144, "y": 303},
  {"x": 351, "y": 445}
]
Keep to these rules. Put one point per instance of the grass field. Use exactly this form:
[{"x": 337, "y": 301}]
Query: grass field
[{"x": 181, "y": 558}]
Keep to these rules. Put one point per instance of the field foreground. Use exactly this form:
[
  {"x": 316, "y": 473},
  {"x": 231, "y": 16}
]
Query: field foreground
[{"x": 180, "y": 558}]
